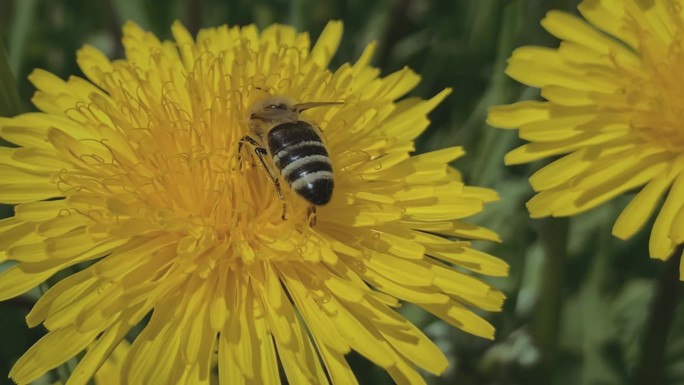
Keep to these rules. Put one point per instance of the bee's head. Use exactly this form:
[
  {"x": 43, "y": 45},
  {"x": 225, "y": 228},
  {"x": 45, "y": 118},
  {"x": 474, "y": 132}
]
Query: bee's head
[
  {"x": 274, "y": 109},
  {"x": 280, "y": 109}
]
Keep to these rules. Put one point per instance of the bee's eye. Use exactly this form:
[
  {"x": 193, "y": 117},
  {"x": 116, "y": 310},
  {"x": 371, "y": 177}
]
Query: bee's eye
[{"x": 280, "y": 106}]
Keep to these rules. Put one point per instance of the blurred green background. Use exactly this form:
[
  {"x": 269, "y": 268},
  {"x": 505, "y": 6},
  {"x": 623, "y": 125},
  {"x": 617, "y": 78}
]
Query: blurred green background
[{"x": 578, "y": 299}]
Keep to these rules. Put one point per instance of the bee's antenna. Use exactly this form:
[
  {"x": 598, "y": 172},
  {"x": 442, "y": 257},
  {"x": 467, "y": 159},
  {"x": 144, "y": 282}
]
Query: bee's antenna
[{"x": 305, "y": 106}]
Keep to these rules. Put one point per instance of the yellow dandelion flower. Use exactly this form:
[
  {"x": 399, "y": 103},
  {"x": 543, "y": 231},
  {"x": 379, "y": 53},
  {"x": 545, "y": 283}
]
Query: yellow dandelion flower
[
  {"x": 110, "y": 371},
  {"x": 613, "y": 110},
  {"x": 132, "y": 180}
]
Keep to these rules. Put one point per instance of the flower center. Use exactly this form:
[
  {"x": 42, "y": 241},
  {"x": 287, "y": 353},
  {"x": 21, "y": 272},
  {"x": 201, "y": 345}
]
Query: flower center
[
  {"x": 184, "y": 176},
  {"x": 169, "y": 160},
  {"x": 659, "y": 96}
]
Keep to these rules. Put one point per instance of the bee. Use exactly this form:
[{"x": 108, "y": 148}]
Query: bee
[{"x": 294, "y": 146}]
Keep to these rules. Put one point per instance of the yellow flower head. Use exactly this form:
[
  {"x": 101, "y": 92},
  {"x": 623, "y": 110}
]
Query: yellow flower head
[
  {"x": 110, "y": 371},
  {"x": 133, "y": 179},
  {"x": 614, "y": 110}
]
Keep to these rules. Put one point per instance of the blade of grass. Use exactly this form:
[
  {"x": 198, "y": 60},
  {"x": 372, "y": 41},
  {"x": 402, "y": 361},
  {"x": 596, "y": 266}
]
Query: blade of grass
[
  {"x": 21, "y": 25},
  {"x": 10, "y": 103},
  {"x": 131, "y": 10},
  {"x": 494, "y": 143}
]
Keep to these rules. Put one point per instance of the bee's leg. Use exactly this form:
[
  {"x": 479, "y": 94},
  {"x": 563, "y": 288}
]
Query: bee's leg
[
  {"x": 242, "y": 141},
  {"x": 261, "y": 154},
  {"x": 251, "y": 141},
  {"x": 311, "y": 213}
]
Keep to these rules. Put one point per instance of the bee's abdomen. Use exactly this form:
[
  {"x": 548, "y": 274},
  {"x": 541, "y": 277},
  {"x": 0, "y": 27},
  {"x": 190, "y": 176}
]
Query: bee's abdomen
[{"x": 302, "y": 159}]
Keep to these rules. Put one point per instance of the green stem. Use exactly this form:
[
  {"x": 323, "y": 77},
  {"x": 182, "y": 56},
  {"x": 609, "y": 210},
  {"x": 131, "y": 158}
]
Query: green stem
[
  {"x": 649, "y": 367},
  {"x": 554, "y": 238}
]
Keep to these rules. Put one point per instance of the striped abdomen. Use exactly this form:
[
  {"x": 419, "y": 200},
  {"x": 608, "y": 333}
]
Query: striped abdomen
[{"x": 298, "y": 152}]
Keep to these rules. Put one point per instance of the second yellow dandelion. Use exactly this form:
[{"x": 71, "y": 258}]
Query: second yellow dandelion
[{"x": 614, "y": 112}]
